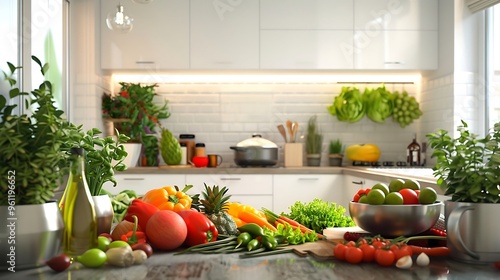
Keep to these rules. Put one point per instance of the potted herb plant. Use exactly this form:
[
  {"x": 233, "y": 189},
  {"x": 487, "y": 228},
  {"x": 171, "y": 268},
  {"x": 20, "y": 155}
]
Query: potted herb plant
[
  {"x": 467, "y": 168},
  {"x": 34, "y": 148},
  {"x": 336, "y": 152},
  {"x": 314, "y": 142},
  {"x": 135, "y": 113}
]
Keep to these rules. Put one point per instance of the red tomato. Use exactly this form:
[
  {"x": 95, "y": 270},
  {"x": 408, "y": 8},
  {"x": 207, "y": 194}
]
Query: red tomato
[
  {"x": 378, "y": 244},
  {"x": 409, "y": 196},
  {"x": 368, "y": 252},
  {"x": 351, "y": 244},
  {"x": 385, "y": 257},
  {"x": 339, "y": 251},
  {"x": 404, "y": 250},
  {"x": 356, "y": 198},
  {"x": 353, "y": 255}
]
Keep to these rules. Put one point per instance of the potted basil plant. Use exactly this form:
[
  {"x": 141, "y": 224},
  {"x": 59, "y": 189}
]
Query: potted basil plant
[{"x": 467, "y": 168}]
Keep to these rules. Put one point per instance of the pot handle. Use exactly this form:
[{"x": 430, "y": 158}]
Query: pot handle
[
  {"x": 453, "y": 230},
  {"x": 236, "y": 148}
]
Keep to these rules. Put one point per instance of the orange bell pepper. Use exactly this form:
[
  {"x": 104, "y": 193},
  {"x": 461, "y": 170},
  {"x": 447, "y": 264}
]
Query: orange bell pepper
[{"x": 168, "y": 198}]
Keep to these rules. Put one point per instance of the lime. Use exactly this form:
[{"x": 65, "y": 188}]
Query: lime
[
  {"x": 363, "y": 199},
  {"x": 376, "y": 197},
  {"x": 396, "y": 185},
  {"x": 411, "y": 184},
  {"x": 381, "y": 186},
  {"x": 393, "y": 198},
  {"x": 118, "y": 243},
  {"x": 427, "y": 196},
  {"x": 103, "y": 243},
  {"x": 92, "y": 258}
]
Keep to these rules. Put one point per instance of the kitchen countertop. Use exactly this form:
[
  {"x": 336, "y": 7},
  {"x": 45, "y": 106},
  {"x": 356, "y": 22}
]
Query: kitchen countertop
[{"x": 286, "y": 266}]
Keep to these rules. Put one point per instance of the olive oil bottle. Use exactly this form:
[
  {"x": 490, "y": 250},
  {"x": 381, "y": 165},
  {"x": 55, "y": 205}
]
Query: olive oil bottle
[{"x": 77, "y": 208}]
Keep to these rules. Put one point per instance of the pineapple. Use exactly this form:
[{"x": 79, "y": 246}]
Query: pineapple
[
  {"x": 170, "y": 148},
  {"x": 214, "y": 204}
]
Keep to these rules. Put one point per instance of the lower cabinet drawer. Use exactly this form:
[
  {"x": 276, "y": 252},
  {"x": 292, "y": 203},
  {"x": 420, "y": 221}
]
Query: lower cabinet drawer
[
  {"x": 142, "y": 183},
  {"x": 237, "y": 184}
]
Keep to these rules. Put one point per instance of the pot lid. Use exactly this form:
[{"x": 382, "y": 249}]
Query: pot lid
[{"x": 257, "y": 141}]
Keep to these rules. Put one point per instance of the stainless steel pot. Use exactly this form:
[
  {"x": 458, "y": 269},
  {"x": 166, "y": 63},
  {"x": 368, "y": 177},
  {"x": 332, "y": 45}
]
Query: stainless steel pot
[{"x": 255, "y": 151}]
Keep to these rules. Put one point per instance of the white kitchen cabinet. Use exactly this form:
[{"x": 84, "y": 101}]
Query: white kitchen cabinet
[
  {"x": 141, "y": 183},
  {"x": 410, "y": 49},
  {"x": 371, "y": 15},
  {"x": 288, "y": 189},
  {"x": 159, "y": 38},
  {"x": 224, "y": 34},
  {"x": 306, "y": 14},
  {"x": 305, "y": 49},
  {"x": 395, "y": 34},
  {"x": 255, "y": 190}
]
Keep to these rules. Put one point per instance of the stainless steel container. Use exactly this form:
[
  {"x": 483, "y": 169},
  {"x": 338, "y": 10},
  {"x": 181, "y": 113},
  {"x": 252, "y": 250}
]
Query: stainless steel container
[{"x": 255, "y": 151}]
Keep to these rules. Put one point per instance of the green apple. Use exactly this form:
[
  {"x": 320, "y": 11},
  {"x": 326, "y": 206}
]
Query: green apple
[
  {"x": 376, "y": 197},
  {"x": 381, "y": 186},
  {"x": 396, "y": 185},
  {"x": 411, "y": 184}
]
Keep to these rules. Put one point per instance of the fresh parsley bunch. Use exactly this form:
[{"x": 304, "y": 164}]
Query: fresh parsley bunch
[{"x": 319, "y": 215}]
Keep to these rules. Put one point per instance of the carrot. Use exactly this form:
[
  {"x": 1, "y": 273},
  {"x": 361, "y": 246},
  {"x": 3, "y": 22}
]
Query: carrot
[
  {"x": 430, "y": 251},
  {"x": 238, "y": 221},
  {"x": 249, "y": 217}
]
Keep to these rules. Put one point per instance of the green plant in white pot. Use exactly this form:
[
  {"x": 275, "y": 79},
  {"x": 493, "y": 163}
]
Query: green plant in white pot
[
  {"x": 34, "y": 151},
  {"x": 467, "y": 168},
  {"x": 336, "y": 152},
  {"x": 314, "y": 142}
]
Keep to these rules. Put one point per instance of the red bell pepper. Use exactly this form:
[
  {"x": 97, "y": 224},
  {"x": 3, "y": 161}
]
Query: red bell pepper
[
  {"x": 142, "y": 210},
  {"x": 134, "y": 236},
  {"x": 200, "y": 229}
]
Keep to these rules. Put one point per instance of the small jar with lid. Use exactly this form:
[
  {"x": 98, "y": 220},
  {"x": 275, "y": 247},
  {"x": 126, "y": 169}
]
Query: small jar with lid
[
  {"x": 188, "y": 139},
  {"x": 200, "y": 150},
  {"x": 183, "y": 154}
]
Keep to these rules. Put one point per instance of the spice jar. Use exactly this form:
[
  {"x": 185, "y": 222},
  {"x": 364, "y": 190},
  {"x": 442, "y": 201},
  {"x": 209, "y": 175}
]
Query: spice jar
[
  {"x": 183, "y": 154},
  {"x": 200, "y": 150},
  {"x": 188, "y": 139}
]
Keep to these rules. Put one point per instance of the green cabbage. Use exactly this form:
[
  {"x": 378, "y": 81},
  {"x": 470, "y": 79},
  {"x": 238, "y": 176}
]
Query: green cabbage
[
  {"x": 348, "y": 106},
  {"x": 378, "y": 103}
]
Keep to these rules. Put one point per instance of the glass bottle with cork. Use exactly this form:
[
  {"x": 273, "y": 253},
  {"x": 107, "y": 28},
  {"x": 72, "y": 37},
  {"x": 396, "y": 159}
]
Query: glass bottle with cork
[
  {"x": 413, "y": 153},
  {"x": 78, "y": 210}
]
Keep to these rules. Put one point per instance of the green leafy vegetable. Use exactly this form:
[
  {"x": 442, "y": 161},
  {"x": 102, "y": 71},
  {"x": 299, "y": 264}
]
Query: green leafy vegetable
[
  {"x": 318, "y": 215},
  {"x": 348, "y": 105},
  {"x": 120, "y": 202},
  {"x": 290, "y": 235},
  {"x": 378, "y": 104}
]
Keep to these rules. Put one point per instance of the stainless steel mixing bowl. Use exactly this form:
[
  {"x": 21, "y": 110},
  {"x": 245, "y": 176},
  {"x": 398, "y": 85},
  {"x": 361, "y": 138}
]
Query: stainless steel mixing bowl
[{"x": 395, "y": 220}]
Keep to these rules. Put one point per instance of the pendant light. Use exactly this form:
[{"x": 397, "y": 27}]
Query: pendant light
[{"x": 119, "y": 21}]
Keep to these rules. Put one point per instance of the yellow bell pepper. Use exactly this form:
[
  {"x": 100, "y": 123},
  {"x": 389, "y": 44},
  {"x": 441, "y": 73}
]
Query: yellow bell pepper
[
  {"x": 234, "y": 209},
  {"x": 168, "y": 198}
]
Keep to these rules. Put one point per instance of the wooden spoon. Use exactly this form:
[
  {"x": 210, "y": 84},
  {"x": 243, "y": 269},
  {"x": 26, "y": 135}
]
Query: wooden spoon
[
  {"x": 282, "y": 131},
  {"x": 295, "y": 128},
  {"x": 290, "y": 130}
]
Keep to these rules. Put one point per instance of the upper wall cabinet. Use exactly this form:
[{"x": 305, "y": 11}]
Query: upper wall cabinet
[
  {"x": 224, "y": 34},
  {"x": 306, "y": 14},
  {"x": 306, "y": 34},
  {"x": 395, "y": 34},
  {"x": 158, "y": 40}
]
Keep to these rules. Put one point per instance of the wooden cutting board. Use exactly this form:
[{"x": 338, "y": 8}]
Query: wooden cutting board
[{"x": 322, "y": 250}]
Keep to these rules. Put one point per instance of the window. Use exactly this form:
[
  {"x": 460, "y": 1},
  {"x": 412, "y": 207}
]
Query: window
[{"x": 493, "y": 66}]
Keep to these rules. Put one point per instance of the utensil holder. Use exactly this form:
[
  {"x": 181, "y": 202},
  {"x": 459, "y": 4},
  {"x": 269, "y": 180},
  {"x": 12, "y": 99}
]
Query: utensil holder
[{"x": 293, "y": 154}]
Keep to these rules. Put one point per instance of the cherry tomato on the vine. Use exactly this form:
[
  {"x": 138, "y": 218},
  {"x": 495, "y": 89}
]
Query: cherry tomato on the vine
[
  {"x": 339, "y": 251},
  {"x": 353, "y": 255},
  {"x": 403, "y": 250},
  {"x": 368, "y": 252},
  {"x": 378, "y": 244},
  {"x": 385, "y": 257}
]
